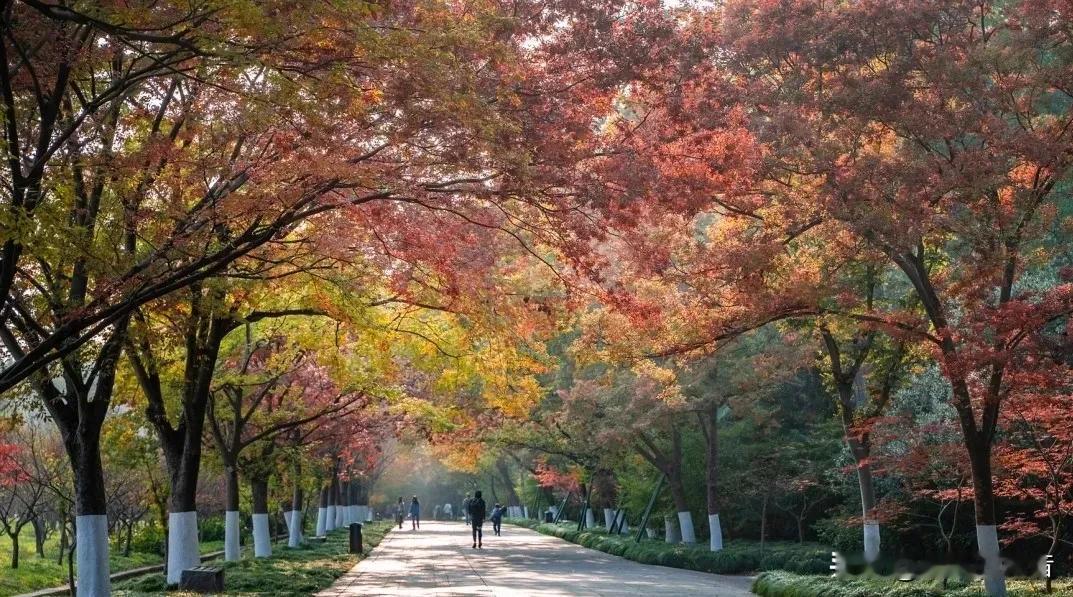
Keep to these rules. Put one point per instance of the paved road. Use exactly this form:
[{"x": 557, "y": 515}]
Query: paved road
[{"x": 438, "y": 560}]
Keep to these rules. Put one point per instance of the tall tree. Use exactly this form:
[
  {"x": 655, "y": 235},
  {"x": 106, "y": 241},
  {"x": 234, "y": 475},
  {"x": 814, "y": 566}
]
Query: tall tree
[{"x": 954, "y": 178}]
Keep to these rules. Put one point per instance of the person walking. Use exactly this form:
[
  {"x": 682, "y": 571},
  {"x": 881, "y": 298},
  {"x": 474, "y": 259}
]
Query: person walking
[
  {"x": 476, "y": 511},
  {"x": 415, "y": 514},
  {"x": 465, "y": 507},
  {"x": 497, "y": 519},
  {"x": 400, "y": 511},
  {"x": 448, "y": 511}
]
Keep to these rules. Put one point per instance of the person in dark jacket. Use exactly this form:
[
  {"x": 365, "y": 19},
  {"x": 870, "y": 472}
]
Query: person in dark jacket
[
  {"x": 477, "y": 510},
  {"x": 497, "y": 519},
  {"x": 415, "y": 514}
]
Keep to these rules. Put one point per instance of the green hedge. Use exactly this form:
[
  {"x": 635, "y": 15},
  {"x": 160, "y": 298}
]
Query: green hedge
[
  {"x": 787, "y": 584},
  {"x": 737, "y": 557}
]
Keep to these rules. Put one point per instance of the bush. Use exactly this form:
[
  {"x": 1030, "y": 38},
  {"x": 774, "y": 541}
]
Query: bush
[
  {"x": 737, "y": 557},
  {"x": 786, "y": 584},
  {"x": 149, "y": 538},
  {"x": 211, "y": 528},
  {"x": 841, "y": 535}
]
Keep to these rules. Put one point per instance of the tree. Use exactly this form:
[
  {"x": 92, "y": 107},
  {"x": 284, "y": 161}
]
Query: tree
[
  {"x": 1036, "y": 449},
  {"x": 77, "y": 193},
  {"x": 935, "y": 137},
  {"x": 20, "y": 496},
  {"x": 275, "y": 387},
  {"x": 864, "y": 385},
  {"x": 961, "y": 202}
]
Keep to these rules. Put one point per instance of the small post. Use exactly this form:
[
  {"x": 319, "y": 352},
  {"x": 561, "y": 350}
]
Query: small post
[
  {"x": 356, "y": 545},
  {"x": 648, "y": 508}
]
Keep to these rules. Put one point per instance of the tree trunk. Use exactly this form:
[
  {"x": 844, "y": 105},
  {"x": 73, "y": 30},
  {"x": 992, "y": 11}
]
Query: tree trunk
[
  {"x": 678, "y": 495},
  {"x": 670, "y": 530},
  {"x": 504, "y": 472},
  {"x": 182, "y": 454},
  {"x": 861, "y": 450},
  {"x": 63, "y": 537},
  {"x": 348, "y": 502},
  {"x": 232, "y": 518},
  {"x": 14, "y": 548},
  {"x": 355, "y": 493},
  {"x": 181, "y": 445},
  {"x": 671, "y": 465},
  {"x": 984, "y": 501},
  {"x": 294, "y": 537},
  {"x": 763, "y": 520},
  {"x": 130, "y": 537},
  {"x": 262, "y": 541},
  {"x": 333, "y": 501},
  {"x": 39, "y": 536},
  {"x": 976, "y": 437},
  {"x": 711, "y": 441},
  {"x": 322, "y": 512},
  {"x": 82, "y": 444}
]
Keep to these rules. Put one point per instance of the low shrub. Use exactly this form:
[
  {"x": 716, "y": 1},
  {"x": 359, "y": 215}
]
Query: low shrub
[
  {"x": 737, "y": 557},
  {"x": 149, "y": 538},
  {"x": 211, "y": 528},
  {"x": 788, "y": 584}
]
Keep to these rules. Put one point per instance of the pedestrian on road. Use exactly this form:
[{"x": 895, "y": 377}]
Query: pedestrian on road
[
  {"x": 448, "y": 511},
  {"x": 476, "y": 511},
  {"x": 465, "y": 507},
  {"x": 497, "y": 518},
  {"x": 400, "y": 511},
  {"x": 415, "y": 514}
]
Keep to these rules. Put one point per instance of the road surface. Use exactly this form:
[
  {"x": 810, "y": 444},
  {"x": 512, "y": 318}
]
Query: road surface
[{"x": 438, "y": 560}]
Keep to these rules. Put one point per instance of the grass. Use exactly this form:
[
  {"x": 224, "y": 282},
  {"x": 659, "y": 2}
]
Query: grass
[
  {"x": 786, "y": 584},
  {"x": 736, "y": 557},
  {"x": 289, "y": 572},
  {"x": 35, "y": 572}
]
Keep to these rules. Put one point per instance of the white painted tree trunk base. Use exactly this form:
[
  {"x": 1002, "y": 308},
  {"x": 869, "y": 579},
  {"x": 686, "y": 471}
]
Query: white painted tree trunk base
[
  {"x": 670, "y": 530},
  {"x": 262, "y": 542},
  {"x": 329, "y": 522},
  {"x": 231, "y": 536},
  {"x": 685, "y": 520},
  {"x": 294, "y": 528},
  {"x": 716, "y": 531},
  {"x": 340, "y": 515},
  {"x": 994, "y": 573},
  {"x": 322, "y": 521},
  {"x": 609, "y": 518},
  {"x": 590, "y": 518},
  {"x": 91, "y": 555},
  {"x": 871, "y": 542},
  {"x": 183, "y": 549},
  {"x": 368, "y": 514}
]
